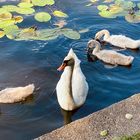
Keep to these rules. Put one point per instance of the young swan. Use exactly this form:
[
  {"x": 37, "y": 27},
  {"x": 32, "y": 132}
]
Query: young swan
[
  {"x": 118, "y": 40},
  {"x": 109, "y": 56},
  {"x": 17, "y": 94},
  {"x": 72, "y": 88}
]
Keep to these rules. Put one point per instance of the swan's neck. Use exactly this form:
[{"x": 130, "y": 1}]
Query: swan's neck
[
  {"x": 70, "y": 83},
  {"x": 97, "y": 49},
  {"x": 106, "y": 34}
]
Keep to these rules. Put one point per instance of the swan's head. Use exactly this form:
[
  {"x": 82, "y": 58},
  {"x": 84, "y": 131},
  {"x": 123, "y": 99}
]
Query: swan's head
[
  {"x": 70, "y": 60},
  {"x": 92, "y": 44}
]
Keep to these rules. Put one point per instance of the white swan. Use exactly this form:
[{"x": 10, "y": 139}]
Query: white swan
[
  {"x": 72, "y": 87},
  {"x": 118, "y": 40},
  {"x": 109, "y": 56},
  {"x": 16, "y": 94}
]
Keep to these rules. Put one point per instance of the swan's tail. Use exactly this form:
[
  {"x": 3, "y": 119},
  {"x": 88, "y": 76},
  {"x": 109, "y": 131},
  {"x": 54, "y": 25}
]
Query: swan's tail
[
  {"x": 138, "y": 43},
  {"x": 130, "y": 59}
]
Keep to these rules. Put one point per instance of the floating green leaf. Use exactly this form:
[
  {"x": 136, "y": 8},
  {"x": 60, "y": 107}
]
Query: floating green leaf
[
  {"x": 43, "y": 2},
  {"x": 42, "y": 16},
  {"x": 5, "y": 16},
  {"x": 25, "y": 5},
  {"x": 2, "y": 34},
  {"x": 59, "y": 14},
  {"x": 84, "y": 30},
  {"x": 18, "y": 19},
  {"x": 11, "y": 30},
  {"x": 70, "y": 33},
  {"x": 10, "y": 8},
  {"x": 6, "y": 23},
  {"x": 107, "y": 14},
  {"x": 2, "y": 10},
  {"x": 25, "y": 11},
  {"x": 132, "y": 18},
  {"x": 102, "y": 7}
]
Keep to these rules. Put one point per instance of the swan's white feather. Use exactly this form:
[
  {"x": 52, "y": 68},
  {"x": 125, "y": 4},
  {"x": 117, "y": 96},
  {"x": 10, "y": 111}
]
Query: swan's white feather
[
  {"x": 109, "y": 56},
  {"x": 16, "y": 94},
  {"x": 114, "y": 58},
  {"x": 118, "y": 40},
  {"x": 79, "y": 85}
]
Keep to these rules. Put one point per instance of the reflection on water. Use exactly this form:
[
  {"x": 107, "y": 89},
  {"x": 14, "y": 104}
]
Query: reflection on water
[{"x": 67, "y": 115}]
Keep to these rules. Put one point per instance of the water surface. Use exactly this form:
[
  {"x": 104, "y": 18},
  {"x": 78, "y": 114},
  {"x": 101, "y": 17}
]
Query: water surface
[{"x": 26, "y": 62}]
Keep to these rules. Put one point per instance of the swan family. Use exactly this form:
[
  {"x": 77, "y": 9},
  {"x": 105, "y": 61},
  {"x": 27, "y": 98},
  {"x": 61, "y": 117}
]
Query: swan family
[{"x": 72, "y": 87}]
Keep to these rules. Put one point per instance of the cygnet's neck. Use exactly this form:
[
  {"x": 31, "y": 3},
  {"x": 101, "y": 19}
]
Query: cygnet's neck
[
  {"x": 96, "y": 49},
  {"x": 106, "y": 34}
]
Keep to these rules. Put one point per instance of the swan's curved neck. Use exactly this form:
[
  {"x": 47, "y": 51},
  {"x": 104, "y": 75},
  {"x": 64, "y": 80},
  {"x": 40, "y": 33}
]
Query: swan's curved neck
[
  {"x": 106, "y": 34},
  {"x": 97, "y": 48}
]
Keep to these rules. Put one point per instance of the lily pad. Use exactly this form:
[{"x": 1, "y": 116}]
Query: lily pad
[
  {"x": 69, "y": 33},
  {"x": 2, "y": 34},
  {"x": 25, "y": 5},
  {"x": 42, "y": 16},
  {"x": 115, "y": 9},
  {"x": 102, "y": 7},
  {"x": 11, "y": 30},
  {"x": 5, "y": 16},
  {"x": 18, "y": 19},
  {"x": 2, "y": 10},
  {"x": 25, "y": 11},
  {"x": 107, "y": 14},
  {"x": 132, "y": 18},
  {"x": 10, "y": 8},
  {"x": 6, "y": 23},
  {"x": 43, "y": 2},
  {"x": 59, "y": 14},
  {"x": 84, "y": 31}
]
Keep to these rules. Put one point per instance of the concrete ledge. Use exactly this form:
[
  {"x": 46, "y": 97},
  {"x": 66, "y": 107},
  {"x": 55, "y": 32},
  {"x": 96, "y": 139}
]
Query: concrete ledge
[{"x": 111, "y": 119}]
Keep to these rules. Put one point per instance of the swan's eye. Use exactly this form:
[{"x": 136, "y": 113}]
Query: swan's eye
[{"x": 66, "y": 61}]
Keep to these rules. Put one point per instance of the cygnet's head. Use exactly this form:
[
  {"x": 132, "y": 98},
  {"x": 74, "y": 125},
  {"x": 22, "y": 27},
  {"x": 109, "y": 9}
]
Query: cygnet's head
[
  {"x": 69, "y": 60},
  {"x": 92, "y": 44}
]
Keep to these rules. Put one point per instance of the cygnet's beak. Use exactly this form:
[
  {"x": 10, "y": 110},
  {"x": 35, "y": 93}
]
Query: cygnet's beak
[{"x": 62, "y": 67}]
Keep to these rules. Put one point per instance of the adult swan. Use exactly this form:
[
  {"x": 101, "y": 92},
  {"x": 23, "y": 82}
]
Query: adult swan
[
  {"x": 118, "y": 40},
  {"x": 108, "y": 56},
  {"x": 72, "y": 88}
]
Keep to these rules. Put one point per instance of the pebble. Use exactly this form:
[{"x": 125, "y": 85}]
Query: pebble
[{"x": 129, "y": 116}]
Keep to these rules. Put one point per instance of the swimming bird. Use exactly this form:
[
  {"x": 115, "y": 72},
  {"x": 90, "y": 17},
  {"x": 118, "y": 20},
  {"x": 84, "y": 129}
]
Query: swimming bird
[
  {"x": 117, "y": 40},
  {"x": 16, "y": 94},
  {"x": 72, "y": 88},
  {"x": 109, "y": 56}
]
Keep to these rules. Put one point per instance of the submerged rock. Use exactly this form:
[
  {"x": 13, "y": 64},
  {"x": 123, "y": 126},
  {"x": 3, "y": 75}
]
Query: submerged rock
[{"x": 16, "y": 94}]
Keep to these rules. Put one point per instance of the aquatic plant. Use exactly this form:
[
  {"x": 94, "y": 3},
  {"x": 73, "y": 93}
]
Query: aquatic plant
[
  {"x": 115, "y": 8},
  {"x": 9, "y": 27},
  {"x": 43, "y": 34}
]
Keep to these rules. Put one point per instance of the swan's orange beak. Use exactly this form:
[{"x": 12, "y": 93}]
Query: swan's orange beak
[{"x": 62, "y": 67}]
